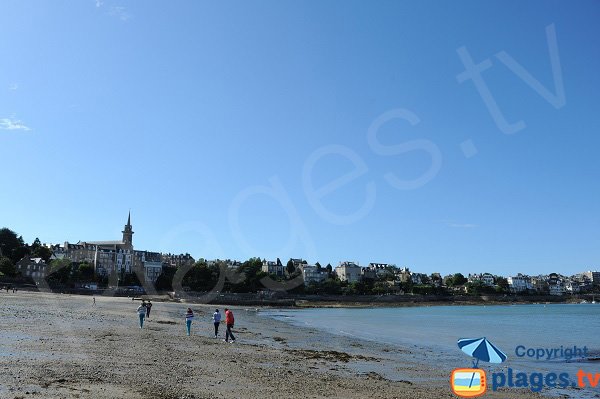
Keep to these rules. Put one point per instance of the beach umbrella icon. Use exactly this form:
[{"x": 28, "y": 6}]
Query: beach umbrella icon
[{"x": 481, "y": 349}]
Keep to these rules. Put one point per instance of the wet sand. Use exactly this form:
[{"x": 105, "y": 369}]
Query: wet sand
[{"x": 60, "y": 346}]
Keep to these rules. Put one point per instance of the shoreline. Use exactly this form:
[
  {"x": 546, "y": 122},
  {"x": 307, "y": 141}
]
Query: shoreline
[
  {"x": 60, "y": 346},
  {"x": 285, "y": 300}
]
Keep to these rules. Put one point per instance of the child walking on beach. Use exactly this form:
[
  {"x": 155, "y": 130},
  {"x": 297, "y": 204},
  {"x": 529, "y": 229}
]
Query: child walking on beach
[
  {"x": 148, "y": 308},
  {"x": 141, "y": 311},
  {"x": 189, "y": 316},
  {"x": 216, "y": 321}
]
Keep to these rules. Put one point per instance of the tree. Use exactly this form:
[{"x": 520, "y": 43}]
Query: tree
[
  {"x": 407, "y": 286},
  {"x": 455, "y": 280},
  {"x": 200, "y": 277},
  {"x": 290, "y": 268},
  {"x": 436, "y": 279},
  {"x": 37, "y": 250},
  {"x": 318, "y": 265},
  {"x": 60, "y": 272},
  {"x": 502, "y": 282},
  {"x": 86, "y": 272},
  {"x": 131, "y": 279},
  {"x": 165, "y": 280},
  {"x": 7, "y": 267},
  {"x": 329, "y": 268},
  {"x": 36, "y": 243},
  {"x": 12, "y": 246}
]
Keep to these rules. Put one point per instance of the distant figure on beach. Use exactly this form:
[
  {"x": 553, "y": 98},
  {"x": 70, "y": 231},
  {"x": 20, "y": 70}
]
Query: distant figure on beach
[
  {"x": 148, "y": 307},
  {"x": 229, "y": 321},
  {"x": 216, "y": 321},
  {"x": 141, "y": 311},
  {"x": 189, "y": 316},
  {"x": 94, "y": 304}
]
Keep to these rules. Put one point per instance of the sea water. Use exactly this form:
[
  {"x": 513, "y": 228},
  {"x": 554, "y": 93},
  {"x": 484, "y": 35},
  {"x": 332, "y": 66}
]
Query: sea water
[{"x": 435, "y": 330}]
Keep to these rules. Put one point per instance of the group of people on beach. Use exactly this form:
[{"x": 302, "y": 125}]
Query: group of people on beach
[
  {"x": 216, "y": 319},
  {"x": 143, "y": 312}
]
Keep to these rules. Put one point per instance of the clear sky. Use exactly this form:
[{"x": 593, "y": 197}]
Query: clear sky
[{"x": 326, "y": 130}]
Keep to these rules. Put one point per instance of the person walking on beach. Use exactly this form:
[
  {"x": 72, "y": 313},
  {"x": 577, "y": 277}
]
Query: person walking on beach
[
  {"x": 148, "y": 307},
  {"x": 94, "y": 304},
  {"x": 216, "y": 321},
  {"x": 189, "y": 316},
  {"x": 141, "y": 311},
  {"x": 229, "y": 321}
]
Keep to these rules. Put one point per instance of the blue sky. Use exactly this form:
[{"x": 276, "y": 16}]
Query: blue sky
[{"x": 217, "y": 124}]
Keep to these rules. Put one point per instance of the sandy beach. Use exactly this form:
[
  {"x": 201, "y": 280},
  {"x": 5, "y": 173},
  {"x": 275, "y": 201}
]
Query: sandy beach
[{"x": 60, "y": 346}]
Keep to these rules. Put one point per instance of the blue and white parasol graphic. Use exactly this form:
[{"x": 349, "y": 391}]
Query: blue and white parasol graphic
[{"x": 481, "y": 349}]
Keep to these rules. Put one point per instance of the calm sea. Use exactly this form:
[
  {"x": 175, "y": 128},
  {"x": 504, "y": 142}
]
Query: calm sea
[{"x": 435, "y": 330}]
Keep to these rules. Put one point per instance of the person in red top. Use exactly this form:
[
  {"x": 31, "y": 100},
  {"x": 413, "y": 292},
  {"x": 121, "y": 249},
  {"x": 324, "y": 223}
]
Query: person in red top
[{"x": 229, "y": 321}]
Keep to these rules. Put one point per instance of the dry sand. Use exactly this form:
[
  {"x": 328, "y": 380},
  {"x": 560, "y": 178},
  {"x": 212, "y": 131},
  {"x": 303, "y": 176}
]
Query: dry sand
[{"x": 60, "y": 346}]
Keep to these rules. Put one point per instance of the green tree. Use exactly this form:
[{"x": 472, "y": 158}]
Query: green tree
[
  {"x": 7, "y": 268},
  {"x": 318, "y": 265},
  {"x": 329, "y": 269},
  {"x": 407, "y": 286},
  {"x": 37, "y": 250},
  {"x": 200, "y": 277},
  {"x": 86, "y": 272},
  {"x": 165, "y": 280},
  {"x": 502, "y": 283},
  {"x": 455, "y": 280},
  {"x": 250, "y": 273},
  {"x": 12, "y": 246},
  {"x": 60, "y": 272},
  {"x": 130, "y": 279}
]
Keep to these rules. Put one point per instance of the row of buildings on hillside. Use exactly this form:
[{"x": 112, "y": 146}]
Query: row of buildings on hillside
[
  {"x": 107, "y": 258},
  {"x": 120, "y": 257},
  {"x": 554, "y": 283}
]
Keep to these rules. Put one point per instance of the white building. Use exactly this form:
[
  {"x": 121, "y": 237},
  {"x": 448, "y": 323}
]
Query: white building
[
  {"x": 572, "y": 287},
  {"x": 382, "y": 270},
  {"x": 348, "y": 271},
  {"x": 273, "y": 267},
  {"x": 519, "y": 283},
  {"x": 593, "y": 276},
  {"x": 485, "y": 278},
  {"x": 312, "y": 275}
]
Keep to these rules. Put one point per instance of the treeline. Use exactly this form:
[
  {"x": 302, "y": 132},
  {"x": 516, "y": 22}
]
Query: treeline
[
  {"x": 62, "y": 273},
  {"x": 249, "y": 278},
  {"x": 13, "y": 248}
]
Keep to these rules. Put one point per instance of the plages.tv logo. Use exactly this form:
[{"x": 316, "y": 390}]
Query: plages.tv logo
[{"x": 472, "y": 382}]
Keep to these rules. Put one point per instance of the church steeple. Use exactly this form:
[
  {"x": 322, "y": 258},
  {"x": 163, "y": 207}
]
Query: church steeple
[{"x": 128, "y": 232}]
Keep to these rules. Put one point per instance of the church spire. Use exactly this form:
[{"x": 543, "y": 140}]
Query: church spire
[{"x": 128, "y": 232}]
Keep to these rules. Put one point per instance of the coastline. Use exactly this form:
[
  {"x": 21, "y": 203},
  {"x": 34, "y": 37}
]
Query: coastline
[{"x": 60, "y": 346}]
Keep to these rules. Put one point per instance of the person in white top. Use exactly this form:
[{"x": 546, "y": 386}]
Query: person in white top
[
  {"x": 216, "y": 321},
  {"x": 189, "y": 316},
  {"x": 141, "y": 311}
]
